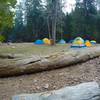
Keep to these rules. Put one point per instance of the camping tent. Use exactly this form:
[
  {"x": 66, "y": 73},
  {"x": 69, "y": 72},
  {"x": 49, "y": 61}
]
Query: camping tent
[
  {"x": 78, "y": 43},
  {"x": 88, "y": 43},
  {"x": 62, "y": 41},
  {"x": 39, "y": 42},
  {"x": 93, "y": 42},
  {"x": 46, "y": 41}
]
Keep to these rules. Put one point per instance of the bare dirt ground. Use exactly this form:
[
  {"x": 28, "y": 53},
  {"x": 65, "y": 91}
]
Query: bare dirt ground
[
  {"x": 47, "y": 80},
  {"x": 50, "y": 80}
]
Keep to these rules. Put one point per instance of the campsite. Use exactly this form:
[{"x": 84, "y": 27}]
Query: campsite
[{"x": 49, "y": 49}]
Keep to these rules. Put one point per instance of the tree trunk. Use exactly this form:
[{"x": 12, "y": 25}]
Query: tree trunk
[
  {"x": 54, "y": 18},
  {"x": 12, "y": 67},
  {"x": 48, "y": 23}
]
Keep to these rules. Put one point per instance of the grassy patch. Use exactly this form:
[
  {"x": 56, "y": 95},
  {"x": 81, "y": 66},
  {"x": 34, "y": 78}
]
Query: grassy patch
[{"x": 29, "y": 48}]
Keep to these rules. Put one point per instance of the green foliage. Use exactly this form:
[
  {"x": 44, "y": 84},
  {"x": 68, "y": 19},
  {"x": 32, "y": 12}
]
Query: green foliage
[
  {"x": 2, "y": 38},
  {"x": 39, "y": 20},
  {"x": 6, "y": 15},
  {"x": 35, "y": 18},
  {"x": 84, "y": 19}
]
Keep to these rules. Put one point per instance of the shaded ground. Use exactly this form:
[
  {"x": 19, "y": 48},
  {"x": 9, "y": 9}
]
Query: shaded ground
[
  {"x": 49, "y": 80},
  {"x": 89, "y": 71}
]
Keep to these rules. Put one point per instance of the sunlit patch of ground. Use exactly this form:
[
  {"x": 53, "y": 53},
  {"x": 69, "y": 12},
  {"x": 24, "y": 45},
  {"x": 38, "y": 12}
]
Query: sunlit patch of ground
[{"x": 29, "y": 48}]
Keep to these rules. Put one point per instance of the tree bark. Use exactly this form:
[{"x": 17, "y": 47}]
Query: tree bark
[
  {"x": 54, "y": 18},
  {"x": 37, "y": 64}
]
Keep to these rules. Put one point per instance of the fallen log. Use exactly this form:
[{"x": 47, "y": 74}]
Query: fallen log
[
  {"x": 5, "y": 56},
  {"x": 10, "y": 56},
  {"x": 58, "y": 60},
  {"x": 85, "y": 91}
]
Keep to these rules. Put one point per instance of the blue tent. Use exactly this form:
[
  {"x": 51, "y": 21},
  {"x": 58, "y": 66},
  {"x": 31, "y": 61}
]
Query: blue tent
[
  {"x": 62, "y": 41},
  {"x": 77, "y": 46},
  {"x": 39, "y": 42}
]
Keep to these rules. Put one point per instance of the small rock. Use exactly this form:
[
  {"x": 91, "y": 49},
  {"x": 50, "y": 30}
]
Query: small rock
[
  {"x": 46, "y": 86},
  {"x": 54, "y": 87},
  {"x": 13, "y": 47},
  {"x": 61, "y": 74},
  {"x": 38, "y": 87},
  {"x": 35, "y": 81}
]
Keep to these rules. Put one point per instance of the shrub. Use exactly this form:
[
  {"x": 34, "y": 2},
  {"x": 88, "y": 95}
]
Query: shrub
[{"x": 2, "y": 38}]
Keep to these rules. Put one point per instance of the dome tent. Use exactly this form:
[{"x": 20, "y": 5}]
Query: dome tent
[
  {"x": 93, "y": 42},
  {"x": 78, "y": 43},
  {"x": 39, "y": 42},
  {"x": 46, "y": 41},
  {"x": 88, "y": 43},
  {"x": 62, "y": 41}
]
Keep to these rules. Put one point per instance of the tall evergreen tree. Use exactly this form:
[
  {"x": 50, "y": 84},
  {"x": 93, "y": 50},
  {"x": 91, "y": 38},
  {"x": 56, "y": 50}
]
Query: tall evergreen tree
[
  {"x": 18, "y": 28},
  {"x": 84, "y": 19},
  {"x": 34, "y": 17}
]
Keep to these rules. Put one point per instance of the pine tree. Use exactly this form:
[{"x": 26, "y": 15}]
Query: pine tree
[
  {"x": 84, "y": 19},
  {"x": 34, "y": 17}
]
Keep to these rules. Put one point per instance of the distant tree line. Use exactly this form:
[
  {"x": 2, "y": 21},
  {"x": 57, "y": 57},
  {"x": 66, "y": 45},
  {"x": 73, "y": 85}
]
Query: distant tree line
[{"x": 36, "y": 20}]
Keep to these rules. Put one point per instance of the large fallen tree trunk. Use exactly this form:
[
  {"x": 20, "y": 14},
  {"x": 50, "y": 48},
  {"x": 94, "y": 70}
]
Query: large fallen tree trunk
[
  {"x": 58, "y": 60},
  {"x": 85, "y": 91}
]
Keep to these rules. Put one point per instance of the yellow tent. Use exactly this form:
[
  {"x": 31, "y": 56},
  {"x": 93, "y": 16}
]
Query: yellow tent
[
  {"x": 46, "y": 41},
  {"x": 78, "y": 41},
  {"x": 88, "y": 43}
]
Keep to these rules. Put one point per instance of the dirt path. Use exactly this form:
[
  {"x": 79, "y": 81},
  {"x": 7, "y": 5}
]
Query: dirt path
[{"x": 49, "y": 80}]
